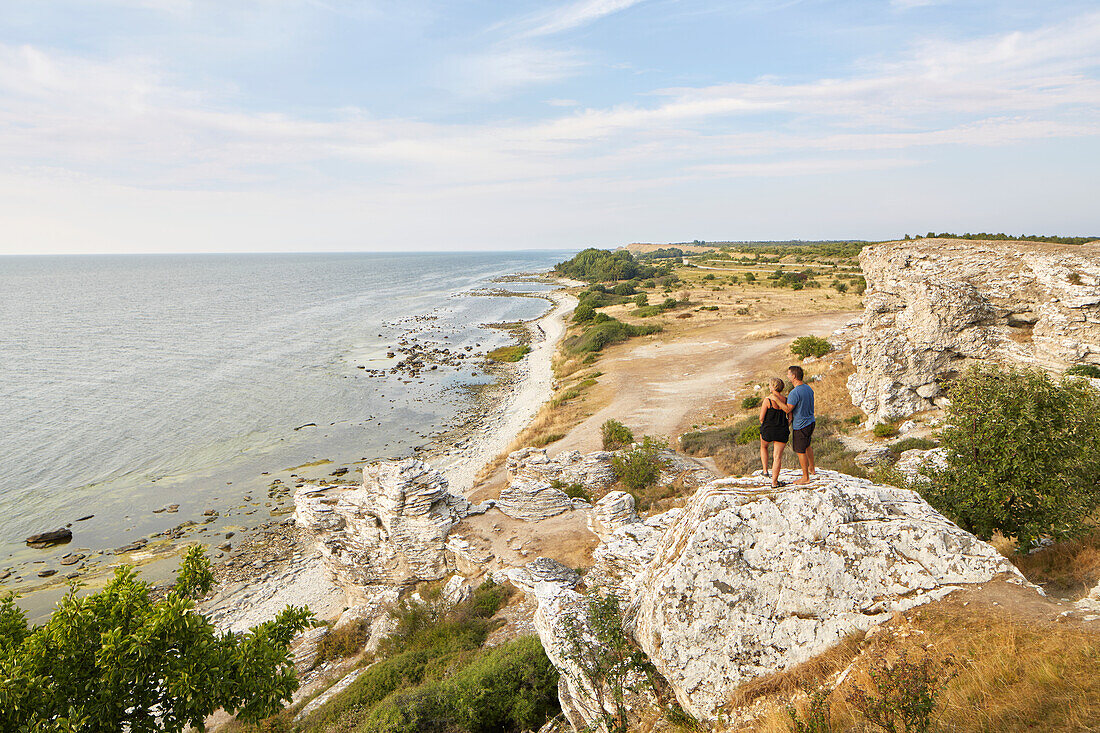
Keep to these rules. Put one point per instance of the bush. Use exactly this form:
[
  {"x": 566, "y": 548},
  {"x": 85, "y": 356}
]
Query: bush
[
  {"x": 626, "y": 288},
  {"x": 818, "y": 718},
  {"x": 1084, "y": 370},
  {"x": 1023, "y": 455},
  {"x": 512, "y": 687},
  {"x": 573, "y": 491},
  {"x": 615, "y": 435},
  {"x": 116, "y": 659},
  {"x": 641, "y": 300},
  {"x": 640, "y": 467},
  {"x": 649, "y": 284},
  {"x": 903, "y": 694},
  {"x": 804, "y": 346},
  {"x": 751, "y": 402},
  {"x": 748, "y": 434},
  {"x": 605, "y": 331},
  {"x": 885, "y": 430},
  {"x": 583, "y": 313}
]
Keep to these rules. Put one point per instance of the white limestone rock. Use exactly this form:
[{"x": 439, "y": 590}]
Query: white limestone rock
[
  {"x": 877, "y": 455},
  {"x": 593, "y": 470},
  {"x": 749, "y": 580},
  {"x": 389, "y": 531},
  {"x": 615, "y": 509},
  {"x": 934, "y": 306},
  {"x": 912, "y": 463},
  {"x": 456, "y": 590},
  {"x": 532, "y": 500}
]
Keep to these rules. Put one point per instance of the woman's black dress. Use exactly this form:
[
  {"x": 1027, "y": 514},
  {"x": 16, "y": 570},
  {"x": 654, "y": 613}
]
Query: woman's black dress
[{"x": 774, "y": 429}]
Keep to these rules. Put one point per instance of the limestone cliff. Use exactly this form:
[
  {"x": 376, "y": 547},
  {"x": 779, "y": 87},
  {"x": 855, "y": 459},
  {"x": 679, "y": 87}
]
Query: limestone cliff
[
  {"x": 747, "y": 580},
  {"x": 934, "y": 305}
]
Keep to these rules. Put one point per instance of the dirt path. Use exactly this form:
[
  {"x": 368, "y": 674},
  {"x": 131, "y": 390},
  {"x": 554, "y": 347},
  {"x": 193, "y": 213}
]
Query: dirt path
[{"x": 663, "y": 388}]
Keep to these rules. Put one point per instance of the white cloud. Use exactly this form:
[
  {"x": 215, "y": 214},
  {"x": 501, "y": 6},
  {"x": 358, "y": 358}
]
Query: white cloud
[
  {"x": 124, "y": 126},
  {"x": 569, "y": 16}
]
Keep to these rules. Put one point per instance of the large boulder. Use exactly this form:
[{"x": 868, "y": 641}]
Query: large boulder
[
  {"x": 533, "y": 500},
  {"x": 933, "y": 306},
  {"x": 389, "y": 531},
  {"x": 747, "y": 580}
]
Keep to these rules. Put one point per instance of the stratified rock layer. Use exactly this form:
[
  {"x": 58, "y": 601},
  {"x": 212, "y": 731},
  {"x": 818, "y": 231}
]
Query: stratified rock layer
[
  {"x": 391, "y": 530},
  {"x": 934, "y": 305}
]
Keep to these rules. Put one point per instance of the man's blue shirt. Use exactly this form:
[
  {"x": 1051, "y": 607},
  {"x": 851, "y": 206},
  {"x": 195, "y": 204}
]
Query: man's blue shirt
[{"x": 801, "y": 399}]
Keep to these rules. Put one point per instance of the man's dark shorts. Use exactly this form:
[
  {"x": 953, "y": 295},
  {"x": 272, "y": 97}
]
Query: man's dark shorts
[{"x": 800, "y": 438}]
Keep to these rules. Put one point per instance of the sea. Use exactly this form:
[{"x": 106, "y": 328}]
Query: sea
[{"x": 132, "y": 383}]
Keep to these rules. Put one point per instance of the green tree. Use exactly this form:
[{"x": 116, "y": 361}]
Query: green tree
[
  {"x": 640, "y": 467},
  {"x": 117, "y": 660},
  {"x": 1023, "y": 455}
]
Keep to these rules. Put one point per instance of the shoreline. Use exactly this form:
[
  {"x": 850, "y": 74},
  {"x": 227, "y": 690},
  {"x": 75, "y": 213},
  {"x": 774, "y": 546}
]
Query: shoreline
[
  {"x": 253, "y": 589},
  {"x": 462, "y": 457}
]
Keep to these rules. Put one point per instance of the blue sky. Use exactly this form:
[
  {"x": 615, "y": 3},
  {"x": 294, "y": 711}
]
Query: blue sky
[{"x": 270, "y": 125}]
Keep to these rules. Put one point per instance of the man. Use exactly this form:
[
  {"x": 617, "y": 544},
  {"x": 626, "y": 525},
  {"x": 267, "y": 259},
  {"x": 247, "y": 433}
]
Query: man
[{"x": 800, "y": 408}]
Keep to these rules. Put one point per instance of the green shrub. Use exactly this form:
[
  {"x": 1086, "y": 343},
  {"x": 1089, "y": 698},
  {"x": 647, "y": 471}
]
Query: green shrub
[
  {"x": 641, "y": 300},
  {"x": 1022, "y": 454},
  {"x": 626, "y": 288},
  {"x": 750, "y": 277},
  {"x": 615, "y": 435},
  {"x": 903, "y": 694},
  {"x": 573, "y": 491},
  {"x": 748, "y": 434},
  {"x": 583, "y": 313},
  {"x": 509, "y": 353},
  {"x": 116, "y": 659},
  {"x": 605, "y": 331},
  {"x": 647, "y": 311},
  {"x": 547, "y": 439},
  {"x": 708, "y": 276},
  {"x": 1084, "y": 370},
  {"x": 649, "y": 284},
  {"x": 751, "y": 402},
  {"x": 885, "y": 430},
  {"x": 804, "y": 346},
  {"x": 640, "y": 467}
]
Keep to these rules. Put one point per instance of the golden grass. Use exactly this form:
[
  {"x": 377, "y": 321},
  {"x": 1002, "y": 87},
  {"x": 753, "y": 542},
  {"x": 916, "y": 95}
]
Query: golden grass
[
  {"x": 1072, "y": 567},
  {"x": 1015, "y": 672}
]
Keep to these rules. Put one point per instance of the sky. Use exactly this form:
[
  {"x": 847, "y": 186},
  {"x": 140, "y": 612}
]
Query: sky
[{"x": 371, "y": 125}]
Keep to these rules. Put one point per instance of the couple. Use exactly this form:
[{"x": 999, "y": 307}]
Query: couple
[{"x": 775, "y": 412}]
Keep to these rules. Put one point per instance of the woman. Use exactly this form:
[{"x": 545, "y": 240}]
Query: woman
[{"x": 774, "y": 430}]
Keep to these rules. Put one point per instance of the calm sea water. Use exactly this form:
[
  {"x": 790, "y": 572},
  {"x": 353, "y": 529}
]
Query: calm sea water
[{"x": 131, "y": 382}]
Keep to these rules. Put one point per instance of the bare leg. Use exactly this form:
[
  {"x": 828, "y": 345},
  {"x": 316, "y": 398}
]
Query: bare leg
[
  {"x": 764, "y": 456},
  {"x": 804, "y": 461},
  {"x": 778, "y": 462},
  {"x": 810, "y": 453}
]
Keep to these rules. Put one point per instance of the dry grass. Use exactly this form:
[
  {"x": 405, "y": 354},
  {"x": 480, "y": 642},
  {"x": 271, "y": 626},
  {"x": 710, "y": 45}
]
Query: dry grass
[
  {"x": 1015, "y": 673},
  {"x": 761, "y": 335},
  {"x": 1071, "y": 567}
]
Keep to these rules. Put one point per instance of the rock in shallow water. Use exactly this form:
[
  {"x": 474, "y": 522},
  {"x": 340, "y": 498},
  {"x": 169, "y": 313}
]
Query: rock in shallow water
[{"x": 51, "y": 538}]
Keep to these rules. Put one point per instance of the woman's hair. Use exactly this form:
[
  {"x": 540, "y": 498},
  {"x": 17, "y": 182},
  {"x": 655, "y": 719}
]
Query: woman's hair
[{"x": 776, "y": 384}]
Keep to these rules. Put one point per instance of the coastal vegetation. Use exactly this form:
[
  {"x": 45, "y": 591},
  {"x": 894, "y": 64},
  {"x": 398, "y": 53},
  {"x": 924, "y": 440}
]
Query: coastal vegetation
[
  {"x": 434, "y": 673},
  {"x": 509, "y": 353},
  {"x": 118, "y": 660},
  {"x": 1023, "y": 455},
  {"x": 604, "y": 331},
  {"x": 601, "y": 265},
  {"x": 1000, "y": 237}
]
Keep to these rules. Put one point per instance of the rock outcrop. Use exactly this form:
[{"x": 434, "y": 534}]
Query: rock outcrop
[
  {"x": 593, "y": 470},
  {"x": 747, "y": 580},
  {"x": 389, "y": 531},
  {"x": 532, "y": 500},
  {"x": 933, "y": 306}
]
